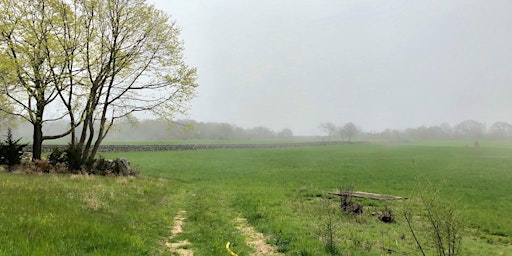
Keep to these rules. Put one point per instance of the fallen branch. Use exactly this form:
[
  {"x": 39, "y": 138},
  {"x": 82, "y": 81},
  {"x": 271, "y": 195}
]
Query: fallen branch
[{"x": 361, "y": 194}]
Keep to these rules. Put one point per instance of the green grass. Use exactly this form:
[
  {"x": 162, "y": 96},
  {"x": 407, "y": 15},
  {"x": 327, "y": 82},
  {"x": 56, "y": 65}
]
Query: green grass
[
  {"x": 83, "y": 215},
  {"x": 267, "y": 186},
  {"x": 279, "y": 191}
]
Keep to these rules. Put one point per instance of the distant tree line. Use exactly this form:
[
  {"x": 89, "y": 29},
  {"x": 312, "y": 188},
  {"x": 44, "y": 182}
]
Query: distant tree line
[
  {"x": 160, "y": 130},
  {"x": 152, "y": 130},
  {"x": 465, "y": 130},
  {"x": 156, "y": 130}
]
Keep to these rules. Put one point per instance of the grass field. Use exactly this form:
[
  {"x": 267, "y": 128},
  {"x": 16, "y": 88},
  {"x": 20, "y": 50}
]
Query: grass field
[{"x": 281, "y": 192}]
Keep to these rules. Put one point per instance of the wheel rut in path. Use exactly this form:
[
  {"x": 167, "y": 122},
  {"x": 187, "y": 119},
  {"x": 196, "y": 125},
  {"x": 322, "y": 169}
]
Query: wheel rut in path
[
  {"x": 255, "y": 239},
  {"x": 179, "y": 248}
]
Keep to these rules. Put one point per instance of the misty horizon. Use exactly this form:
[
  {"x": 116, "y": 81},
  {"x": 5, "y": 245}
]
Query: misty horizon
[{"x": 380, "y": 65}]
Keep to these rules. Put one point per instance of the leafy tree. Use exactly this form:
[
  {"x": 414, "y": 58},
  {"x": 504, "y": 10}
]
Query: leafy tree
[
  {"x": 132, "y": 62},
  {"x": 96, "y": 61},
  {"x": 6, "y": 120},
  {"x": 470, "y": 129},
  {"x": 34, "y": 62},
  {"x": 500, "y": 130},
  {"x": 285, "y": 133},
  {"x": 349, "y": 130}
]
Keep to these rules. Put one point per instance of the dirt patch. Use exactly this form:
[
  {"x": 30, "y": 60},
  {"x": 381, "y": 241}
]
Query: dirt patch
[
  {"x": 255, "y": 239},
  {"x": 180, "y": 247}
]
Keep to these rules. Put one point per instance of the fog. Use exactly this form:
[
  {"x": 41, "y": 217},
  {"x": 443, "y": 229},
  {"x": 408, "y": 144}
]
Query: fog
[{"x": 378, "y": 64}]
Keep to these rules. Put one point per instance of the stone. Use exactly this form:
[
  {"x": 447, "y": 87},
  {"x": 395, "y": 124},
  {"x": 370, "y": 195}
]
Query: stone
[{"x": 123, "y": 166}]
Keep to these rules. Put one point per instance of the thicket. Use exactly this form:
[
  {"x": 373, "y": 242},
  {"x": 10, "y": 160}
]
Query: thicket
[{"x": 68, "y": 160}]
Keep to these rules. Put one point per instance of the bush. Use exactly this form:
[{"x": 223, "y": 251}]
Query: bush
[
  {"x": 444, "y": 225},
  {"x": 57, "y": 157},
  {"x": 71, "y": 157},
  {"x": 11, "y": 151}
]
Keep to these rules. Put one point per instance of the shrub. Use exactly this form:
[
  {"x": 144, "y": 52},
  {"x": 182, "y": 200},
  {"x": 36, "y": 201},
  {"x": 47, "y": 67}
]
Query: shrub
[
  {"x": 444, "y": 225},
  {"x": 57, "y": 157},
  {"x": 11, "y": 151},
  {"x": 73, "y": 157}
]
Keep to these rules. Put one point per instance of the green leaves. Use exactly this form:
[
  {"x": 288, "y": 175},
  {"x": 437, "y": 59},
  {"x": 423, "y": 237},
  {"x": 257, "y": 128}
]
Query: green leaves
[{"x": 91, "y": 60}]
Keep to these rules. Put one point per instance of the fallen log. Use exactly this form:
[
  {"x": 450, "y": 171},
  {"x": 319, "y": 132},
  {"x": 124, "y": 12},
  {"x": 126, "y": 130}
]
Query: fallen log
[{"x": 368, "y": 195}]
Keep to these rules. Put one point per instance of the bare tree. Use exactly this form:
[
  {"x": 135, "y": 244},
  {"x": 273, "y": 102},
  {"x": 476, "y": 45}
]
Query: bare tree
[{"x": 328, "y": 128}]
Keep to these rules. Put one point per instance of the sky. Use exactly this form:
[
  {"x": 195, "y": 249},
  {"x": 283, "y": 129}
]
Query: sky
[{"x": 379, "y": 64}]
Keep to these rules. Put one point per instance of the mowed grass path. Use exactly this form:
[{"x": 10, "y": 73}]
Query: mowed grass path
[{"x": 279, "y": 191}]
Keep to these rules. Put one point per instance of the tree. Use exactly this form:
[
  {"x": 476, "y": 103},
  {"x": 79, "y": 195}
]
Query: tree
[
  {"x": 349, "y": 130},
  {"x": 97, "y": 61},
  {"x": 133, "y": 62},
  {"x": 470, "y": 129},
  {"x": 285, "y": 133},
  {"x": 328, "y": 128},
  {"x": 500, "y": 130},
  {"x": 31, "y": 57},
  {"x": 6, "y": 120}
]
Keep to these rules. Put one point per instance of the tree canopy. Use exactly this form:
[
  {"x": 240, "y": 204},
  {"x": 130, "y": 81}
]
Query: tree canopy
[{"x": 90, "y": 62}]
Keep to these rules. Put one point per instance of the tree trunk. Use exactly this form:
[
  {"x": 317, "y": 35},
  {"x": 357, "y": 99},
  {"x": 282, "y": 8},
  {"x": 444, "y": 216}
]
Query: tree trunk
[{"x": 37, "y": 141}]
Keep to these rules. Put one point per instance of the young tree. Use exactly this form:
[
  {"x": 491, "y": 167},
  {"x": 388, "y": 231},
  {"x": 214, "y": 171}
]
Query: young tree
[{"x": 440, "y": 227}]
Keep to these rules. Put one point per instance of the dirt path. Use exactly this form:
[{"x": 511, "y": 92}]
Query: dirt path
[
  {"x": 255, "y": 239},
  {"x": 179, "y": 248}
]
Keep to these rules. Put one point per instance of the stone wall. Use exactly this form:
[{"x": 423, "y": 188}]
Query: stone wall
[{"x": 128, "y": 148}]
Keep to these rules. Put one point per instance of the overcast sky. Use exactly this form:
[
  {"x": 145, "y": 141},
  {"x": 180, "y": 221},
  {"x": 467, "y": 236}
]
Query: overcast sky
[{"x": 379, "y": 64}]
